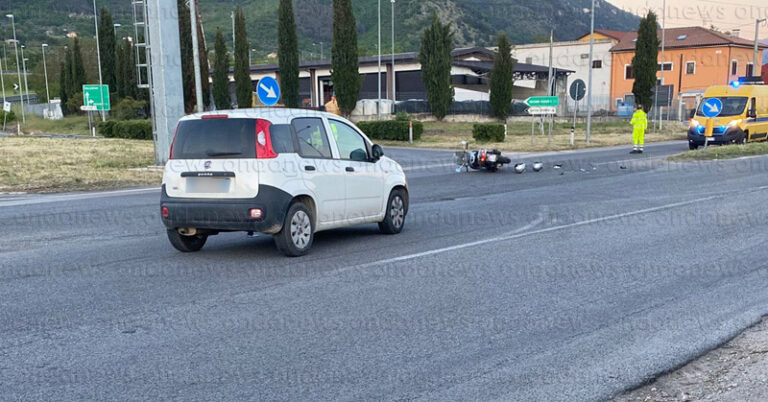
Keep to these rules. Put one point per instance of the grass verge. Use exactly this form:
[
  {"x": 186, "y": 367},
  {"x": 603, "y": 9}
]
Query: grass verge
[
  {"x": 449, "y": 136},
  {"x": 716, "y": 152},
  {"x": 67, "y": 125},
  {"x": 32, "y": 164}
]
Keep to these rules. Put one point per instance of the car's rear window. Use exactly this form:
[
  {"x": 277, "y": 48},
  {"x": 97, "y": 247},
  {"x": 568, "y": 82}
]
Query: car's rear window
[{"x": 215, "y": 139}]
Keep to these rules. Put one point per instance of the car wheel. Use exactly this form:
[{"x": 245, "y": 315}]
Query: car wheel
[
  {"x": 295, "y": 239},
  {"x": 186, "y": 244},
  {"x": 394, "y": 216},
  {"x": 692, "y": 146}
]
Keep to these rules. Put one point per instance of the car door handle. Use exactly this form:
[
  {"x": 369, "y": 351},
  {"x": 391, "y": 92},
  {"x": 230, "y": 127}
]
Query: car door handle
[
  {"x": 309, "y": 168},
  {"x": 350, "y": 169}
]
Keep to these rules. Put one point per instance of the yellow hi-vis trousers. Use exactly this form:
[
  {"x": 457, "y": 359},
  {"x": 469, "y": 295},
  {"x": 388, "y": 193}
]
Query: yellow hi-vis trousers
[{"x": 638, "y": 136}]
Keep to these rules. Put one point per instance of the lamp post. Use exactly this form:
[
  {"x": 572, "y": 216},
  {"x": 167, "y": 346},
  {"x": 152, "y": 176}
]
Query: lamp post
[
  {"x": 98, "y": 55},
  {"x": 24, "y": 69},
  {"x": 45, "y": 70},
  {"x": 196, "y": 56},
  {"x": 394, "y": 72},
  {"x": 378, "y": 104},
  {"x": 18, "y": 66},
  {"x": 663, "y": 39},
  {"x": 589, "y": 78}
]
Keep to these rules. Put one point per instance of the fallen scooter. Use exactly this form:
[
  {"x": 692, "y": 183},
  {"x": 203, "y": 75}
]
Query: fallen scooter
[{"x": 478, "y": 159}]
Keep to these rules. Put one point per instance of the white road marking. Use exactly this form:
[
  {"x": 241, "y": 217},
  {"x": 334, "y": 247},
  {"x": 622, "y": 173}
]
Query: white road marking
[
  {"x": 541, "y": 231},
  {"x": 42, "y": 199}
]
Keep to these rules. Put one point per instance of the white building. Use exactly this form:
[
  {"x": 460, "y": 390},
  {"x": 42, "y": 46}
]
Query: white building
[{"x": 574, "y": 55}]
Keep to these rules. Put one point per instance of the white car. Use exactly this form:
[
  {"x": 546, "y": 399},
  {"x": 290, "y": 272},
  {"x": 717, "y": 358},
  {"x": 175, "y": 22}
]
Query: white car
[{"x": 286, "y": 172}]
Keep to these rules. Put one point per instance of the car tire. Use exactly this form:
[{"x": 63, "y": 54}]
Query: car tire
[
  {"x": 395, "y": 213},
  {"x": 298, "y": 232},
  {"x": 186, "y": 244},
  {"x": 692, "y": 146}
]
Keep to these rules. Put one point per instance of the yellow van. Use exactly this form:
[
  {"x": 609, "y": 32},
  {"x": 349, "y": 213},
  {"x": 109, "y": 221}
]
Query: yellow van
[{"x": 736, "y": 113}]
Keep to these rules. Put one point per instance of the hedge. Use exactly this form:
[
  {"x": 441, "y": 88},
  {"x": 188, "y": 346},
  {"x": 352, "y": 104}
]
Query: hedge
[
  {"x": 488, "y": 132},
  {"x": 11, "y": 116},
  {"x": 390, "y": 129},
  {"x": 130, "y": 129}
]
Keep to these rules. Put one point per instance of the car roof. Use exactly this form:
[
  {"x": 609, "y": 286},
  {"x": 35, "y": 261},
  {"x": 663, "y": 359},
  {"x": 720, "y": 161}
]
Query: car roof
[{"x": 276, "y": 115}]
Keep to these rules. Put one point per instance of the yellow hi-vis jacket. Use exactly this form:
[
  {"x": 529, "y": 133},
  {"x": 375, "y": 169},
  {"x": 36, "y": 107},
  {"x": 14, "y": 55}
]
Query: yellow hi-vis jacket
[{"x": 639, "y": 120}]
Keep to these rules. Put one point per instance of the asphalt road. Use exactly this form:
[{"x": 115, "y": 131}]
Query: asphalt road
[{"x": 569, "y": 284}]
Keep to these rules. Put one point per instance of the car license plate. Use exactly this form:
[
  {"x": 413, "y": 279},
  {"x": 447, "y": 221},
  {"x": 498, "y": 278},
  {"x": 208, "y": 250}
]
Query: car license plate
[{"x": 208, "y": 185}]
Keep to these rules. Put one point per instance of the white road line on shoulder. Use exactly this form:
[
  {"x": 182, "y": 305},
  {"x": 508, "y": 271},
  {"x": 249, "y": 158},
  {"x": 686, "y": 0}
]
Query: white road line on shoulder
[
  {"x": 43, "y": 199},
  {"x": 545, "y": 230}
]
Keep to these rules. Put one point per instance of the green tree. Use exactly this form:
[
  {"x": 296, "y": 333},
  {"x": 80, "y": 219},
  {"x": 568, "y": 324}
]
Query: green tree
[
  {"x": 645, "y": 63},
  {"x": 187, "y": 67},
  {"x": 125, "y": 70},
  {"x": 64, "y": 81},
  {"x": 243, "y": 83},
  {"x": 220, "y": 73},
  {"x": 203, "y": 53},
  {"x": 344, "y": 58},
  {"x": 107, "y": 49},
  {"x": 288, "y": 54},
  {"x": 502, "y": 79},
  {"x": 435, "y": 58},
  {"x": 78, "y": 78}
]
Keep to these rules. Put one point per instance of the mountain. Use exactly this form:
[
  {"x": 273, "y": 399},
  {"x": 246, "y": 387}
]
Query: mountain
[{"x": 475, "y": 22}]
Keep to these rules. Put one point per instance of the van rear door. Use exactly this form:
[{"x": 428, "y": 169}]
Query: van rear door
[{"x": 214, "y": 157}]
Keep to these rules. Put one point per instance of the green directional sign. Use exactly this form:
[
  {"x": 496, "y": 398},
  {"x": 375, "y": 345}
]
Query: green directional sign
[
  {"x": 95, "y": 98},
  {"x": 543, "y": 101}
]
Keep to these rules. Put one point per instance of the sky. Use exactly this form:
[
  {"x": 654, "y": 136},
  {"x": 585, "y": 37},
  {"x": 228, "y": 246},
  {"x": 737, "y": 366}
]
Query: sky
[{"x": 726, "y": 15}]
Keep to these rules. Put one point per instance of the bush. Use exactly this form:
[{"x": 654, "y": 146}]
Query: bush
[
  {"x": 9, "y": 118},
  {"x": 390, "y": 129},
  {"x": 130, "y": 129},
  {"x": 129, "y": 108},
  {"x": 488, "y": 132}
]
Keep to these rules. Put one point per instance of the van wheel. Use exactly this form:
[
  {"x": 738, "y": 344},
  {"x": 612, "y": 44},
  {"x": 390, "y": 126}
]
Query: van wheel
[
  {"x": 394, "y": 216},
  {"x": 692, "y": 146},
  {"x": 295, "y": 239},
  {"x": 186, "y": 244}
]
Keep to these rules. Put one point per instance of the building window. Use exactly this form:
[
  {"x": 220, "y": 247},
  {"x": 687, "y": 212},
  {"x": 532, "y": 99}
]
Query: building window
[
  {"x": 597, "y": 64},
  {"x": 750, "y": 70},
  {"x": 734, "y": 67},
  {"x": 628, "y": 73},
  {"x": 690, "y": 67},
  {"x": 666, "y": 66}
]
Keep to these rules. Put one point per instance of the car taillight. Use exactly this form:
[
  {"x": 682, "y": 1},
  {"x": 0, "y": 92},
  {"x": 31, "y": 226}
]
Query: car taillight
[
  {"x": 264, "y": 141},
  {"x": 165, "y": 212},
  {"x": 256, "y": 213},
  {"x": 173, "y": 141}
]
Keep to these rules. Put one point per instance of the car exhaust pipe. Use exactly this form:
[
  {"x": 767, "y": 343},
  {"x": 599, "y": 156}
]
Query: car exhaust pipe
[{"x": 187, "y": 231}]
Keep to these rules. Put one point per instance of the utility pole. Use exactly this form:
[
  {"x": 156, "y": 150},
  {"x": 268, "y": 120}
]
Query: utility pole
[
  {"x": 2, "y": 80},
  {"x": 756, "y": 63},
  {"x": 24, "y": 69},
  {"x": 196, "y": 55},
  {"x": 589, "y": 78},
  {"x": 378, "y": 85},
  {"x": 549, "y": 71},
  {"x": 45, "y": 69},
  {"x": 18, "y": 65},
  {"x": 233, "y": 31},
  {"x": 98, "y": 55},
  {"x": 663, "y": 39},
  {"x": 394, "y": 72}
]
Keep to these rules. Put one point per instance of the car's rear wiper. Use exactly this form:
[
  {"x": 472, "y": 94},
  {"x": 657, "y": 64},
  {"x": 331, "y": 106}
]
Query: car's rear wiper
[{"x": 223, "y": 153}]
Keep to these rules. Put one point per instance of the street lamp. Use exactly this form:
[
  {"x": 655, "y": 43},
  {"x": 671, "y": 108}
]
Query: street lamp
[
  {"x": 378, "y": 104},
  {"x": 18, "y": 69},
  {"x": 24, "y": 67},
  {"x": 98, "y": 55},
  {"x": 394, "y": 72},
  {"x": 45, "y": 69}
]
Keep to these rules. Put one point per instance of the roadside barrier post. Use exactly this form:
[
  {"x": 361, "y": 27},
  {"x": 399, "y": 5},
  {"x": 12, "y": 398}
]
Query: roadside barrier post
[{"x": 410, "y": 132}]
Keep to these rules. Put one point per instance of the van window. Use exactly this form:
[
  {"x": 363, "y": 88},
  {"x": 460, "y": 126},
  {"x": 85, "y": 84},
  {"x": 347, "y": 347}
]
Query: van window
[
  {"x": 215, "y": 139},
  {"x": 313, "y": 142},
  {"x": 732, "y": 106}
]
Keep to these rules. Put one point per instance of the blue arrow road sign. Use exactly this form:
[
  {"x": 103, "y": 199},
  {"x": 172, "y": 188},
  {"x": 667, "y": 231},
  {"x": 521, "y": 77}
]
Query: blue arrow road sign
[
  {"x": 712, "y": 107},
  {"x": 268, "y": 91}
]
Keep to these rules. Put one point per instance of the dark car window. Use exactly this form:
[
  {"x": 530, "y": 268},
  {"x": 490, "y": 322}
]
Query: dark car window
[
  {"x": 313, "y": 142},
  {"x": 215, "y": 139},
  {"x": 282, "y": 138}
]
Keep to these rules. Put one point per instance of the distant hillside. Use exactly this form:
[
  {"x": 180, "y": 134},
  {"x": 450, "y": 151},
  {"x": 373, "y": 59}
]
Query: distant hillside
[{"x": 476, "y": 22}]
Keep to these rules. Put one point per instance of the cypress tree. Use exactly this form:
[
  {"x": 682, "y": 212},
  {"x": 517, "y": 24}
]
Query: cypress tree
[
  {"x": 220, "y": 73},
  {"x": 243, "y": 83},
  {"x": 344, "y": 58},
  {"x": 435, "y": 58},
  {"x": 107, "y": 49},
  {"x": 288, "y": 54},
  {"x": 645, "y": 63},
  {"x": 78, "y": 69},
  {"x": 120, "y": 63},
  {"x": 502, "y": 78},
  {"x": 64, "y": 83},
  {"x": 187, "y": 67},
  {"x": 129, "y": 72}
]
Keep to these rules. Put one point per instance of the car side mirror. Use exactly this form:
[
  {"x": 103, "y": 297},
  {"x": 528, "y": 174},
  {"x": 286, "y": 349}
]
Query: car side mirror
[
  {"x": 752, "y": 113},
  {"x": 692, "y": 113},
  {"x": 377, "y": 152}
]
